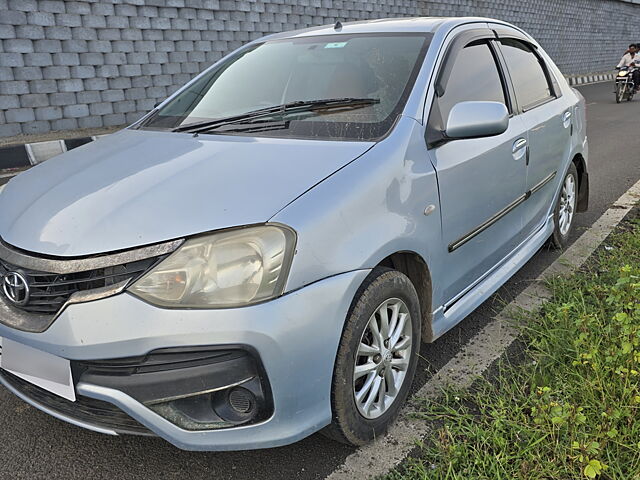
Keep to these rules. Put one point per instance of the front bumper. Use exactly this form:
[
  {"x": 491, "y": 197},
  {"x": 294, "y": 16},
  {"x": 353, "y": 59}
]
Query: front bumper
[{"x": 294, "y": 337}]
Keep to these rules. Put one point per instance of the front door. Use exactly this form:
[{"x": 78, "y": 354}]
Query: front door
[{"x": 482, "y": 182}]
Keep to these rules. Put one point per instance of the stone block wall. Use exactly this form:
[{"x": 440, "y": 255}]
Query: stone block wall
[
  {"x": 66, "y": 65},
  {"x": 582, "y": 36}
]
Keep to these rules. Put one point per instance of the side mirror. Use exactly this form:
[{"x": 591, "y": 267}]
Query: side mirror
[{"x": 477, "y": 119}]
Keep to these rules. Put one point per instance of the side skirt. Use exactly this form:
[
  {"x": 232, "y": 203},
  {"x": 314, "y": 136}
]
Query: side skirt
[{"x": 445, "y": 319}]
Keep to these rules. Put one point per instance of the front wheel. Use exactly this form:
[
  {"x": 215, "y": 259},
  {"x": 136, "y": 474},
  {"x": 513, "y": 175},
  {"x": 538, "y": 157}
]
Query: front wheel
[
  {"x": 376, "y": 359},
  {"x": 620, "y": 89},
  {"x": 564, "y": 212}
]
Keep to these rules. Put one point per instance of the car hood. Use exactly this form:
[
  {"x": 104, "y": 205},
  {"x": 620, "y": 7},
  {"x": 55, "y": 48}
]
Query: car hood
[{"x": 139, "y": 187}]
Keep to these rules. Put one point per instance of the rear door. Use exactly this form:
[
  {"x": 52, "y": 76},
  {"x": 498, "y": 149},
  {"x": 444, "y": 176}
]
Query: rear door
[
  {"x": 481, "y": 181},
  {"x": 548, "y": 121}
]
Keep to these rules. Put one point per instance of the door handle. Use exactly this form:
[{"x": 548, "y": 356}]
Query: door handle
[
  {"x": 566, "y": 119},
  {"x": 519, "y": 144},
  {"x": 519, "y": 148}
]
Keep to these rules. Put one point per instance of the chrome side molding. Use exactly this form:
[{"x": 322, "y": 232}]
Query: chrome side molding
[{"x": 487, "y": 223}]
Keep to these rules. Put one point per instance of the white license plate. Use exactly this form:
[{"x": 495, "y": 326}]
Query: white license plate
[{"x": 39, "y": 368}]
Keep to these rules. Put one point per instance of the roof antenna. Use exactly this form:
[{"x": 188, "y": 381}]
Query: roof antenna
[{"x": 337, "y": 26}]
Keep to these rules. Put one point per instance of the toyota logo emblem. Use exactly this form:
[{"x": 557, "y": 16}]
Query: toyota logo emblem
[{"x": 16, "y": 288}]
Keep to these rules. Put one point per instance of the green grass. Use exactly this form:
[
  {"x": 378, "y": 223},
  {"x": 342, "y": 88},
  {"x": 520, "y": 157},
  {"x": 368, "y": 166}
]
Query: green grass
[{"x": 569, "y": 408}]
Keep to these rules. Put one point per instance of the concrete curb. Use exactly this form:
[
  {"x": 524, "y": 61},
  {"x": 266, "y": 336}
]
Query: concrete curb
[
  {"x": 29, "y": 154},
  {"x": 591, "y": 78}
]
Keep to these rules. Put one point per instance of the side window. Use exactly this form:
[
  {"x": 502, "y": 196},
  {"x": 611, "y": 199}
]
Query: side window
[
  {"x": 530, "y": 81},
  {"x": 474, "y": 77}
]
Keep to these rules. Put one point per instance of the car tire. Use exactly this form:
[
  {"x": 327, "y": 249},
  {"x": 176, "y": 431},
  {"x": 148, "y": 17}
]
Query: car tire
[
  {"x": 564, "y": 213},
  {"x": 358, "y": 414}
]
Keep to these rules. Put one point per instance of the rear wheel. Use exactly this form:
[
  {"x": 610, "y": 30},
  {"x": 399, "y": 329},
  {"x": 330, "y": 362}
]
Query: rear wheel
[
  {"x": 376, "y": 358},
  {"x": 564, "y": 212}
]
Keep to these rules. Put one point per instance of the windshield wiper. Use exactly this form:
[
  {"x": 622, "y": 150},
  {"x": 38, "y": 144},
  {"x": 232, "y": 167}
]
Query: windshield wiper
[
  {"x": 254, "y": 126},
  {"x": 305, "y": 106}
]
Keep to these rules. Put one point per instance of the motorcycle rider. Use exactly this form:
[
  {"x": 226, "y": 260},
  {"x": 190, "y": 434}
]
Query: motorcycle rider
[{"x": 630, "y": 59}]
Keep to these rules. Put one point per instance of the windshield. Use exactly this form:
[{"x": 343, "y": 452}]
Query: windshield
[{"x": 381, "y": 67}]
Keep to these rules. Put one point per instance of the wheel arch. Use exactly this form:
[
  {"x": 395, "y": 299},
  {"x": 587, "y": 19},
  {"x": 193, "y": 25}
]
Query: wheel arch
[{"x": 415, "y": 267}]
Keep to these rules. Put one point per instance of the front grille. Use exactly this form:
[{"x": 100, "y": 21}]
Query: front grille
[
  {"x": 87, "y": 410},
  {"x": 50, "y": 291}
]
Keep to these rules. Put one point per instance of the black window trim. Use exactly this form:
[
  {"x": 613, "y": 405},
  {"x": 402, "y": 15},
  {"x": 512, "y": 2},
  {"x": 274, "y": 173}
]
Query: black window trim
[
  {"x": 453, "y": 49},
  {"x": 434, "y": 136},
  {"x": 505, "y": 78},
  {"x": 552, "y": 83}
]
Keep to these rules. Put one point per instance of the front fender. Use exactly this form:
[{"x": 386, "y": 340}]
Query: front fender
[{"x": 368, "y": 210}]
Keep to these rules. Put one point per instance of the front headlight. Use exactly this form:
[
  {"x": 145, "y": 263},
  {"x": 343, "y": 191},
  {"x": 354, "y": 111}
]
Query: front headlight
[
  {"x": 622, "y": 73},
  {"x": 227, "y": 269}
]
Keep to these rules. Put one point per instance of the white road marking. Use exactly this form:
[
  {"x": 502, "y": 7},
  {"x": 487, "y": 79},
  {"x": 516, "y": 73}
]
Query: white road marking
[{"x": 481, "y": 351}]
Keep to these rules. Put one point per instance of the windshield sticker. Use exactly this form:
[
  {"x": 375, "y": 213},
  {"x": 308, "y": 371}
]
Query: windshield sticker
[{"x": 335, "y": 45}]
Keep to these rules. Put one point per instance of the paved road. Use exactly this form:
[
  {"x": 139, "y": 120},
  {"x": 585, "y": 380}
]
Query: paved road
[{"x": 33, "y": 445}]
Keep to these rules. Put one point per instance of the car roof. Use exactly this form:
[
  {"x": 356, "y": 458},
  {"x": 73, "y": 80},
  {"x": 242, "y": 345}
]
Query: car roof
[{"x": 386, "y": 25}]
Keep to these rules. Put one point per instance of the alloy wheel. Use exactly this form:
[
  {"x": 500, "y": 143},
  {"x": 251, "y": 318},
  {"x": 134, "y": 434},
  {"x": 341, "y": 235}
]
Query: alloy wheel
[
  {"x": 567, "y": 204},
  {"x": 382, "y": 358}
]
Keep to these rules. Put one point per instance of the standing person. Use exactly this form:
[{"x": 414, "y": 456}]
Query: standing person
[{"x": 630, "y": 59}]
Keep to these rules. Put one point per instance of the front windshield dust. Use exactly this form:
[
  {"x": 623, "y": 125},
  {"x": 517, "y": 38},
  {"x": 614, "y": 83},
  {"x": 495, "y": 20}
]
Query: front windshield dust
[{"x": 349, "y": 68}]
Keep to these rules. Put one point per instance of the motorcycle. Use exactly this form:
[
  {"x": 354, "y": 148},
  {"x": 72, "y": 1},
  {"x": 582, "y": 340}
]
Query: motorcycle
[{"x": 625, "y": 87}]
